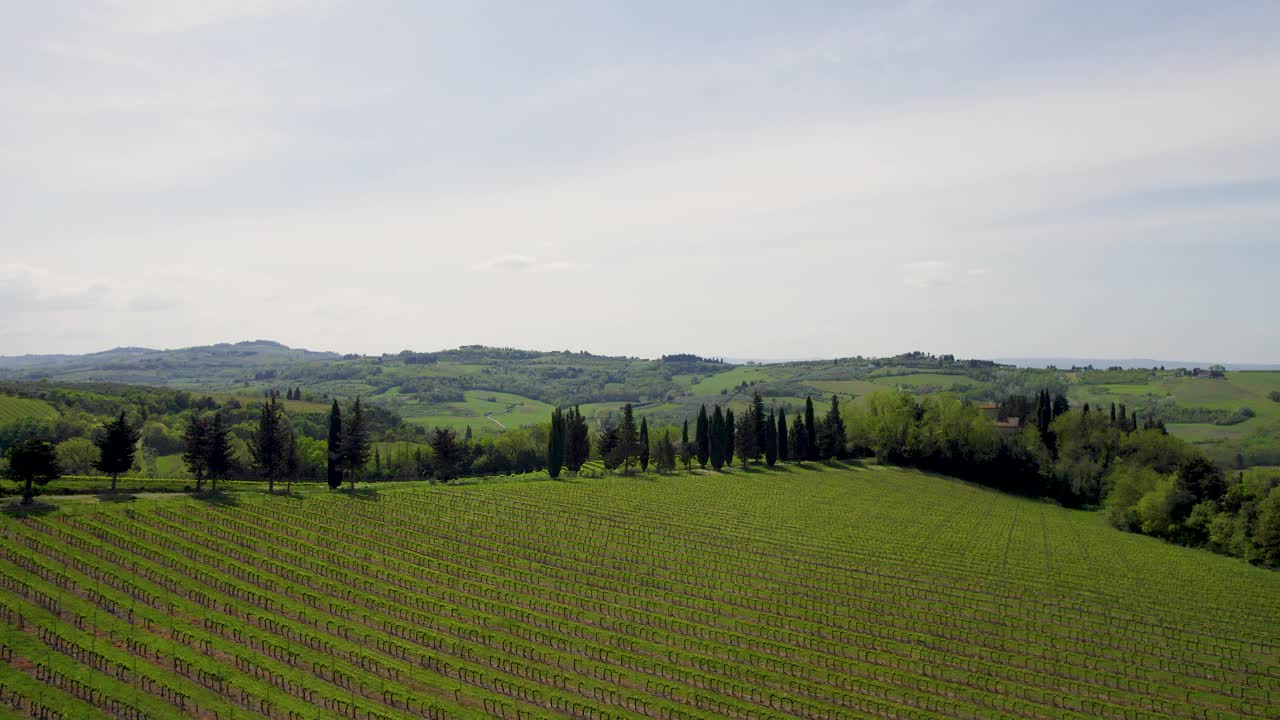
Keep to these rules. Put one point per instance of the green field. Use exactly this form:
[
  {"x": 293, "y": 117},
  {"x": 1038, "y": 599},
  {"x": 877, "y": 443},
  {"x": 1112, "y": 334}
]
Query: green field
[
  {"x": 17, "y": 408},
  {"x": 1237, "y": 390},
  {"x": 1208, "y": 432},
  {"x": 486, "y": 412},
  {"x": 865, "y": 592}
]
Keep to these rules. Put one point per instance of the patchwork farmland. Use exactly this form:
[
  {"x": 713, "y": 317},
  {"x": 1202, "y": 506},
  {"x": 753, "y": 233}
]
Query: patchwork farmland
[{"x": 798, "y": 591}]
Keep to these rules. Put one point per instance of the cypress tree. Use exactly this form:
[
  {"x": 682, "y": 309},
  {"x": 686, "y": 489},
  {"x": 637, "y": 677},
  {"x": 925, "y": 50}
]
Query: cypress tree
[
  {"x": 744, "y": 436},
  {"x": 834, "y": 436},
  {"x": 333, "y": 471},
  {"x": 799, "y": 437},
  {"x": 759, "y": 423},
  {"x": 609, "y": 441},
  {"x": 628, "y": 441},
  {"x": 292, "y": 459},
  {"x": 555, "y": 444},
  {"x": 355, "y": 445},
  {"x": 644, "y": 444},
  {"x": 449, "y": 454},
  {"x": 686, "y": 450},
  {"x": 810, "y": 431},
  {"x": 715, "y": 438},
  {"x": 1060, "y": 405},
  {"x": 1113, "y": 413},
  {"x": 579, "y": 441},
  {"x": 116, "y": 445},
  {"x": 666, "y": 454},
  {"x": 195, "y": 442},
  {"x": 771, "y": 440},
  {"x": 218, "y": 460},
  {"x": 730, "y": 435},
  {"x": 267, "y": 443},
  {"x": 702, "y": 437},
  {"x": 784, "y": 452}
]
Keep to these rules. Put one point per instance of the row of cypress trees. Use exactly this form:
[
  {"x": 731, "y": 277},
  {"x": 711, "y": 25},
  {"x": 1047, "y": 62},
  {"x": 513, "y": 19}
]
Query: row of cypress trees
[
  {"x": 718, "y": 438},
  {"x": 569, "y": 442}
]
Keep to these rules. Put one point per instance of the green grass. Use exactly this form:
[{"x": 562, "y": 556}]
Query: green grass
[
  {"x": 730, "y": 379},
  {"x": 1237, "y": 390},
  {"x": 916, "y": 380},
  {"x": 17, "y": 408},
  {"x": 486, "y": 412},
  {"x": 866, "y": 591},
  {"x": 1208, "y": 432},
  {"x": 857, "y": 388}
]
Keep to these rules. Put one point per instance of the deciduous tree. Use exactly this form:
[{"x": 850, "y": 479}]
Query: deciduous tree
[
  {"x": 76, "y": 455},
  {"x": 32, "y": 462}
]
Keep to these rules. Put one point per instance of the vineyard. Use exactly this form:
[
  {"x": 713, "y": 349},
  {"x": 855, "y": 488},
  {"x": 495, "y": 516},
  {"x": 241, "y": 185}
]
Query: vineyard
[
  {"x": 18, "y": 408},
  {"x": 811, "y": 593}
]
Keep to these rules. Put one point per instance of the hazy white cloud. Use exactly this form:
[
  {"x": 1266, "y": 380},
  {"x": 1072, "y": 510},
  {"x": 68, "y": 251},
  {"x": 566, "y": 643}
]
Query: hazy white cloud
[
  {"x": 519, "y": 263},
  {"x": 925, "y": 273},
  {"x": 34, "y": 289},
  {"x": 852, "y": 157},
  {"x": 175, "y": 16},
  {"x": 24, "y": 288}
]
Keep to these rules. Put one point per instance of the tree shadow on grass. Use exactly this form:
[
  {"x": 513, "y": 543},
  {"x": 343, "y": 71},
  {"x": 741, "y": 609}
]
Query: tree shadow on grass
[
  {"x": 855, "y": 464},
  {"x": 779, "y": 468},
  {"x": 216, "y": 497},
  {"x": 110, "y": 497},
  {"x": 17, "y": 510},
  {"x": 364, "y": 493}
]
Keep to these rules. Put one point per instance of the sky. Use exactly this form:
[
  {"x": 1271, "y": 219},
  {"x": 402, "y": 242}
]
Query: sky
[{"x": 730, "y": 178}]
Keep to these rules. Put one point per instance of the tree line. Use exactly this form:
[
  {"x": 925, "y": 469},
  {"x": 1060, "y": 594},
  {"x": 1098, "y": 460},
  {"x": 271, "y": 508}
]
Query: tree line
[{"x": 760, "y": 435}]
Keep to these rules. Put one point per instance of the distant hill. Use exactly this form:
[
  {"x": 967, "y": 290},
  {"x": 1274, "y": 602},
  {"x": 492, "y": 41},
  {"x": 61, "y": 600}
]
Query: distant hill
[
  {"x": 208, "y": 364},
  {"x": 1129, "y": 363}
]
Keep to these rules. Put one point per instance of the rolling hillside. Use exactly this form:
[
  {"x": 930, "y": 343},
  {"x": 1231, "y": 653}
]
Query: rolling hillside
[
  {"x": 16, "y": 408},
  {"x": 842, "y": 593}
]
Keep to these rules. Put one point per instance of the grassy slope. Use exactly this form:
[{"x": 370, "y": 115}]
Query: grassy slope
[
  {"x": 508, "y": 409},
  {"x": 15, "y": 408},
  {"x": 1237, "y": 390},
  {"x": 870, "y": 583}
]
